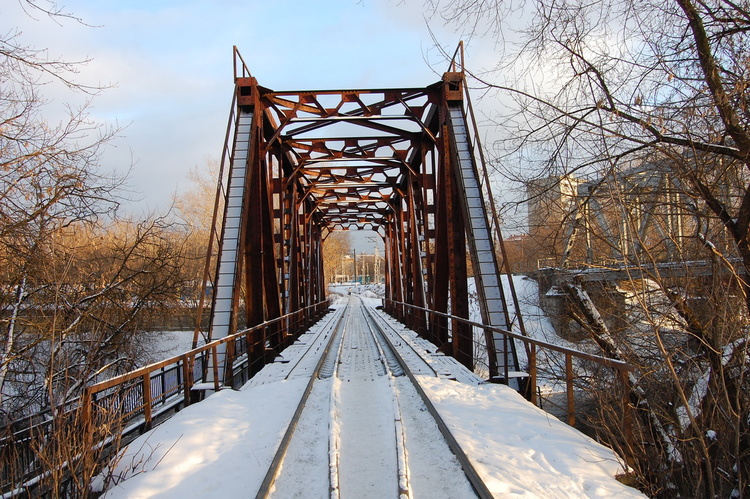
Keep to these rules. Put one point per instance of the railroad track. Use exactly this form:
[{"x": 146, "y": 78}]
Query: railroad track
[{"x": 364, "y": 427}]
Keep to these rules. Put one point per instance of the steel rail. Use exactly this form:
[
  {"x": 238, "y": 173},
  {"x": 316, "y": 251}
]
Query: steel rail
[
  {"x": 401, "y": 455},
  {"x": 334, "y": 443},
  {"x": 474, "y": 478},
  {"x": 402, "y": 474},
  {"x": 275, "y": 467},
  {"x": 312, "y": 343},
  {"x": 409, "y": 344},
  {"x": 382, "y": 343}
]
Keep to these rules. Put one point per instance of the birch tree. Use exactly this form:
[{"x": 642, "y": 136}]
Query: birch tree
[{"x": 591, "y": 90}]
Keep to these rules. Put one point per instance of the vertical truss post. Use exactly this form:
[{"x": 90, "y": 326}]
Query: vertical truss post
[
  {"x": 253, "y": 247},
  {"x": 293, "y": 256},
  {"x": 443, "y": 241},
  {"x": 416, "y": 269},
  {"x": 463, "y": 337},
  {"x": 307, "y": 171},
  {"x": 428, "y": 217},
  {"x": 501, "y": 351},
  {"x": 388, "y": 258},
  {"x": 407, "y": 258},
  {"x": 403, "y": 283},
  {"x": 271, "y": 288}
]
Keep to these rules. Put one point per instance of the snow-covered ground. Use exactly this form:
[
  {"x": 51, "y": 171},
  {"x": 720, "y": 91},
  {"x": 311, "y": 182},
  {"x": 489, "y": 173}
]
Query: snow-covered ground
[
  {"x": 222, "y": 447},
  {"x": 166, "y": 344}
]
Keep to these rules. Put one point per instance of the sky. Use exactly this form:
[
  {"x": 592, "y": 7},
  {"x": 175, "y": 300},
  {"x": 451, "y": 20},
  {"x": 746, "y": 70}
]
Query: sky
[{"x": 167, "y": 66}]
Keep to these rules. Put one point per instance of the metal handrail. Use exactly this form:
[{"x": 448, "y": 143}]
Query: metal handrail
[
  {"x": 134, "y": 400},
  {"x": 237, "y": 57},
  {"x": 457, "y": 54},
  {"x": 532, "y": 344},
  {"x": 188, "y": 358},
  {"x": 605, "y": 361}
]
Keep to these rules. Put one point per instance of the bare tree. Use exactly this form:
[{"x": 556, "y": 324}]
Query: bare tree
[
  {"x": 49, "y": 173},
  {"x": 336, "y": 247},
  {"x": 195, "y": 205},
  {"x": 593, "y": 91},
  {"x": 80, "y": 287}
]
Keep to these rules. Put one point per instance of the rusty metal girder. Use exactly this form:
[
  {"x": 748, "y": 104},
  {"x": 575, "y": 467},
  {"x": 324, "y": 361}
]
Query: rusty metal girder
[
  {"x": 326, "y": 160},
  {"x": 352, "y": 147}
]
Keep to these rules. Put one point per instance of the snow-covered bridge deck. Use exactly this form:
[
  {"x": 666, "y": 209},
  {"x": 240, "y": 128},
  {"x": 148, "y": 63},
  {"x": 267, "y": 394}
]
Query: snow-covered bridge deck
[{"x": 365, "y": 431}]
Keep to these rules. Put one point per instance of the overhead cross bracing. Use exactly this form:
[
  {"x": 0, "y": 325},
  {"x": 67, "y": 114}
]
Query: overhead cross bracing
[
  {"x": 348, "y": 152},
  {"x": 298, "y": 165}
]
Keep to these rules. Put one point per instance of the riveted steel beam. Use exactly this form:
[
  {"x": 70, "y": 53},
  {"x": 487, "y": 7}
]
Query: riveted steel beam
[{"x": 380, "y": 159}]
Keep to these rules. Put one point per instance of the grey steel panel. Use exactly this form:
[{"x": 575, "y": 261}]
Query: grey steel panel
[
  {"x": 494, "y": 309},
  {"x": 224, "y": 287}
]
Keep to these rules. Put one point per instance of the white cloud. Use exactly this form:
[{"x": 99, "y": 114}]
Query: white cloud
[{"x": 171, "y": 68}]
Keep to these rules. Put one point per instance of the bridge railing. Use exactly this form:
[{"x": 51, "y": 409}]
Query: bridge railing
[
  {"x": 240, "y": 68},
  {"x": 116, "y": 410},
  {"x": 533, "y": 347},
  {"x": 141, "y": 395}
]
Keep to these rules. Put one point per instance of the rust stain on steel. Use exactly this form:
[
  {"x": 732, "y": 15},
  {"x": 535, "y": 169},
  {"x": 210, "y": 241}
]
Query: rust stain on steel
[{"x": 325, "y": 160}]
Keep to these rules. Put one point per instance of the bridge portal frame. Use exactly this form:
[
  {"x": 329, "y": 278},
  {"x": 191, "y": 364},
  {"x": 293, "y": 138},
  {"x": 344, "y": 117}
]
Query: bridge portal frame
[{"x": 298, "y": 165}]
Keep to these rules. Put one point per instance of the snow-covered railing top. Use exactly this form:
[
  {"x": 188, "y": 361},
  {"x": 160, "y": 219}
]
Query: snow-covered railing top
[{"x": 532, "y": 344}]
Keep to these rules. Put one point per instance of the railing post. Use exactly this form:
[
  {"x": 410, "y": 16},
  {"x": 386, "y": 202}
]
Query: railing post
[
  {"x": 215, "y": 355},
  {"x": 179, "y": 373},
  {"x": 163, "y": 386},
  {"x": 87, "y": 425},
  {"x": 532, "y": 374},
  {"x": 627, "y": 413},
  {"x": 569, "y": 386},
  {"x": 187, "y": 378},
  {"x": 297, "y": 323},
  {"x": 229, "y": 354},
  {"x": 506, "y": 369},
  {"x": 147, "y": 400},
  {"x": 86, "y": 402}
]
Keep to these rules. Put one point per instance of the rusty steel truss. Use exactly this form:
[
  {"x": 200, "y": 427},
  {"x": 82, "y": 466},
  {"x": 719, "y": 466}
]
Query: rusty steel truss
[{"x": 298, "y": 165}]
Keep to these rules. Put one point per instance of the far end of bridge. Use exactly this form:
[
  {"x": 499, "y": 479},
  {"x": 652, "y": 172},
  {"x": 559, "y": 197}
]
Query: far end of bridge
[{"x": 403, "y": 162}]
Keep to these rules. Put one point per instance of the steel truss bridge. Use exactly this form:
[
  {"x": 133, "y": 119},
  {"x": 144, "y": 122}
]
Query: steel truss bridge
[
  {"x": 405, "y": 163},
  {"x": 296, "y": 166}
]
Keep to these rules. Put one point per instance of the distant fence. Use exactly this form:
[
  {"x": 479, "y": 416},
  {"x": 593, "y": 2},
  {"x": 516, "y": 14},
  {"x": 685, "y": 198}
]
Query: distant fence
[{"x": 133, "y": 402}]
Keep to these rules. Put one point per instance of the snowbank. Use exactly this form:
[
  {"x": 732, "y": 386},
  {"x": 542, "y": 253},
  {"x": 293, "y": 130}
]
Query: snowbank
[
  {"x": 219, "y": 448},
  {"x": 520, "y": 450}
]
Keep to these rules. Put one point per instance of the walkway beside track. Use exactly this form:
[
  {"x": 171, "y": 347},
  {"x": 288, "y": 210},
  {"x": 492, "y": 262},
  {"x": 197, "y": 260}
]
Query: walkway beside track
[{"x": 364, "y": 431}]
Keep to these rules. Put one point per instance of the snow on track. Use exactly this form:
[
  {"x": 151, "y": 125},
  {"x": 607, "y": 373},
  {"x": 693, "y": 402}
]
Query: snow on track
[
  {"x": 367, "y": 456},
  {"x": 379, "y": 429},
  {"x": 304, "y": 471},
  {"x": 521, "y": 451},
  {"x": 359, "y": 359},
  {"x": 219, "y": 448},
  {"x": 299, "y": 359},
  {"x": 421, "y": 356},
  {"x": 434, "y": 470},
  {"x": 517, "y": 448},
  {"x": 367, "y": 460},
  {"x": 223, "y": 446}
]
